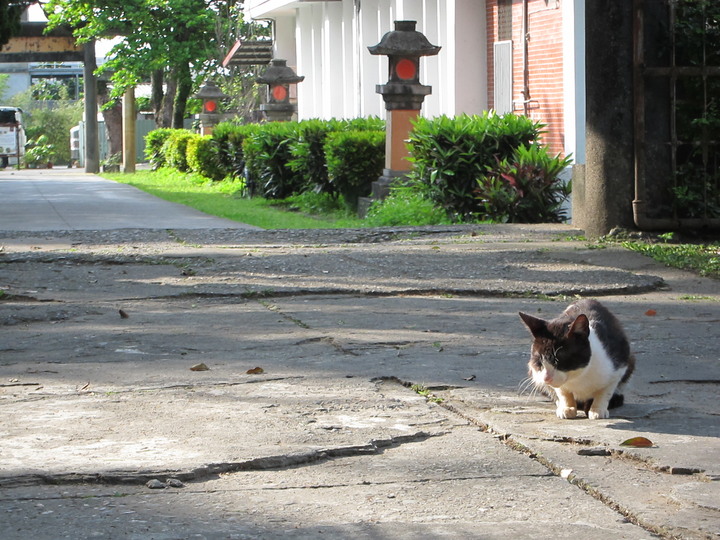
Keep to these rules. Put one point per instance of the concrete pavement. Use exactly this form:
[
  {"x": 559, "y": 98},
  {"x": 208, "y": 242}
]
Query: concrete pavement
[
  {"x": 388, "y": 403},
  {"x": 69, "y": 199}
]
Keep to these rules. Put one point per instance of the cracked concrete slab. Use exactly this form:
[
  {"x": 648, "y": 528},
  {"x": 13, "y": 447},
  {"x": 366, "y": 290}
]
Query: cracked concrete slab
[
  {"x": 325, "y": 441},
  {"x": 463, "y": 484}
]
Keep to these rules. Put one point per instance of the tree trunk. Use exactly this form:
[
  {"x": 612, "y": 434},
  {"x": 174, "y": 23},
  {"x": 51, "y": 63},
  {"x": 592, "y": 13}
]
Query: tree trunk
[
  {"x": 156, "y": 96},
  {"x": 184, "y": 87},
  {"x": 167, "y": 103},
  {"x": 113, "y": 118}
]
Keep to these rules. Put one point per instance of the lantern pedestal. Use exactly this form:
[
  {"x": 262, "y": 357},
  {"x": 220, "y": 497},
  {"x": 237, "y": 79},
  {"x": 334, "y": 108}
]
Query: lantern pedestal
[
  {"x": 403, "y": 95},
  {"x": 208, "y": 122},
  {"x": 278, "y": 112}
]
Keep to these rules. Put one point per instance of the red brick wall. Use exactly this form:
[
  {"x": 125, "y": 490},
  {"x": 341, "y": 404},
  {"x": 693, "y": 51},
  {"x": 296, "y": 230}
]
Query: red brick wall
[{"x": 545, "y": 64}]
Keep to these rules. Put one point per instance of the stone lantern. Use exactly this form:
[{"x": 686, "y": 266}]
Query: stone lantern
[
  {"x": 210, "y": 116},
  {"x": 279, "y": 76},
  {"x": 403, "y": 95}
]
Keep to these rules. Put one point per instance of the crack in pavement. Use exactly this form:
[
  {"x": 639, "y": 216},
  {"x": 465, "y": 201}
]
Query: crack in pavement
[
  {"x": 189, "y": 490},
  {"x": 558, "y": 470},
  {"x": 276, "y": 462}
]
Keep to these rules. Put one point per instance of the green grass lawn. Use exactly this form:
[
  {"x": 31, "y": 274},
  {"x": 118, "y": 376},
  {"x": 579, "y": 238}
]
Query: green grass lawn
[
  {"x": 701, "y": 258},
  {"x": 224, "y": 199}
]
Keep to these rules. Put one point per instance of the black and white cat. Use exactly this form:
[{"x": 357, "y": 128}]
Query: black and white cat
[{"x": 582, "y": 359}]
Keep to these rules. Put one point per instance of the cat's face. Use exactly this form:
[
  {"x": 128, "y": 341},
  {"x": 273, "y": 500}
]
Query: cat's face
[{"x": 559, "y": 350}]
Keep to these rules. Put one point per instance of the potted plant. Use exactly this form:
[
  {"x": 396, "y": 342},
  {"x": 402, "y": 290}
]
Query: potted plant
[{"x": 39, "y": 152}]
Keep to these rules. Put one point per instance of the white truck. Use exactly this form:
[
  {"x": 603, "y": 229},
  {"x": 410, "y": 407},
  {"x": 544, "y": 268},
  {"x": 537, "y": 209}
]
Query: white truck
[{"x": 12, "y": 136}]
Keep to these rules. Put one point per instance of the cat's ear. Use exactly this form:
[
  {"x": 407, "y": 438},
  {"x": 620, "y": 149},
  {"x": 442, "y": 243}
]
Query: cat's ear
[
  {"x": 580, "y": 327},
  {"x": 536, "y": 326}
]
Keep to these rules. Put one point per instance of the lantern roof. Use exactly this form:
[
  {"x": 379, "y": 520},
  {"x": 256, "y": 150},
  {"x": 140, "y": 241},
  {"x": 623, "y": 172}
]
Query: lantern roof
[
  {"x": 210, "y": 90},
  {"x": 404, "y": 41},
  {"x": 278, "y": 72}
]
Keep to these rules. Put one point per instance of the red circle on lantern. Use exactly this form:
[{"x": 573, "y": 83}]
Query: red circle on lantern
[
  {"x": 279, "y": 93},
  {"x": 406, "y": 69},
  {"x": 210, "y": 106}
]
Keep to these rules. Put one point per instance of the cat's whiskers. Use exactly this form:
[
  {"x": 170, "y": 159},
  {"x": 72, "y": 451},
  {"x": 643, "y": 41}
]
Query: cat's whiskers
[{"x": 527, "y": 386}]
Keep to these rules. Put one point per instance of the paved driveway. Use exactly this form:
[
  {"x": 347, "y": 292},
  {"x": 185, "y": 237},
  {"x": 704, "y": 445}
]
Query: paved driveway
[{"x": 69, "y": 199}]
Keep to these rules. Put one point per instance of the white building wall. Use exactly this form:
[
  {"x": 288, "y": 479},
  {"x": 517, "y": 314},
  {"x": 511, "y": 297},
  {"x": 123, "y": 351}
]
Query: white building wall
[
  {"x": 468, "y": 65},
  {"x": 331, "y": 41},
  {"x": 574, "y": 78}
]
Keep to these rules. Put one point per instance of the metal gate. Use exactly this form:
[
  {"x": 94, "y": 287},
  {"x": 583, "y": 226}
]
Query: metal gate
[{"x": 677, "y": 113}]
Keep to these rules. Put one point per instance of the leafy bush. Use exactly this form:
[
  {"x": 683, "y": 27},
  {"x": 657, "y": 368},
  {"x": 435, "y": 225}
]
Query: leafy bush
[
  {"x": 175, "y": 149},
  {"x": 308, "y": 151},
  {"x": 524, "y": 188},
  {"x": 202, "y": 157},
  {"x": 154, "y": 142},
  {"x": 229, "y": 138},
  {"x": 355, "y": 159},
  {"x": 54, "y": 119},
  {"x": 450, "y": 154},
  {"x": 267, "y": 153},
  {"x": 407, "y": 204},
  {"x": 40, "y": 152},
  {"x": 371, "y": 123},
  {"x": 308, "y": 154}
]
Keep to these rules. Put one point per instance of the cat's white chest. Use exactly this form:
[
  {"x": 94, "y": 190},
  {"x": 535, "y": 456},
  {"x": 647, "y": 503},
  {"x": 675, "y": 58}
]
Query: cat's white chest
[{"x": 599, "y": 374}]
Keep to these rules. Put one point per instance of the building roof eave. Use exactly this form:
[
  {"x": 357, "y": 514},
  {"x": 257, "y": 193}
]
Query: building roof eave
[{"x": 267, "y": 9}]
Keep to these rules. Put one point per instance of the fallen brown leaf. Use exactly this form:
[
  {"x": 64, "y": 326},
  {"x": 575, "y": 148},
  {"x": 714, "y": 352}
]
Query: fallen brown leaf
[
  {"x": 651, "y": 313},
  {"x": 637, "y": 442},
  {"x": 199, "y": 367}
]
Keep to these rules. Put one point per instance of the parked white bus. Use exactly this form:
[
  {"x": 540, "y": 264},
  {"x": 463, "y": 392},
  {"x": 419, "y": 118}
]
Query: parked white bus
[{"x": 12, "y": 136}]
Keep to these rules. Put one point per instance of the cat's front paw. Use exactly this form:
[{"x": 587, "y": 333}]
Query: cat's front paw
[
  {"x": 596, "y": 414},
  {"x": 566, "y": 412}
]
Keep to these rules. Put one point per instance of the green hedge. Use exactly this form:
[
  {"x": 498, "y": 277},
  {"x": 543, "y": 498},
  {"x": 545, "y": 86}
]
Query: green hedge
[
  {"x": 308, "y": 149},
  {"x": 355, "y": 159},
  {"x": 449, "y": 155},
  {"x": 307, "y": 153},
  {"x": 174, "y": 149},
  {"x": 154, "y": 142},
  {"x": 229, "y": 137},
  {"x": 202, "y": 157},
  {"x": 471, "y": 167},
  {"x": 267, "y": 154}
]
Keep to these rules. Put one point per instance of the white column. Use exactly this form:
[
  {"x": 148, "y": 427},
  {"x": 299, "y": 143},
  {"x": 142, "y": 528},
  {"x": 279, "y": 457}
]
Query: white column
[{"x": 573, "y": 27}]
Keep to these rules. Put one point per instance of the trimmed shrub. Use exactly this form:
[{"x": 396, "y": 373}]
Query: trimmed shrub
[
  {"x": 355, "y": 159},
  {"x": 308, "y": 154},
  {"x": 202, "y": 157},
  {"x": 308, "y": 151},
  {"x": 524, "y": 188},
  {"x": 371, "y": 123},
  {"x": 267, "y": 153},
  {"x": 154, "y": 142},
  {"x": 175, "y": 149},
  {"x": 229, "y": 138},
  {"x": 451, "y": 154}
]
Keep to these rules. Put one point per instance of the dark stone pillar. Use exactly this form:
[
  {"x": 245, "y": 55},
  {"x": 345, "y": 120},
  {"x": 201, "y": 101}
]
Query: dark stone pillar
[{"x": 610, "y": 165}]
